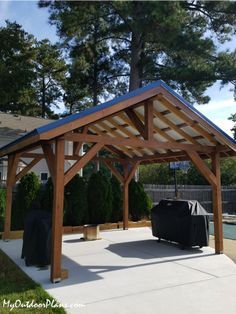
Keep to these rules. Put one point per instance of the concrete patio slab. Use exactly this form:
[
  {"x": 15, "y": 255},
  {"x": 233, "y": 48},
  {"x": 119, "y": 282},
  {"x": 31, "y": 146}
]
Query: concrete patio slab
[{"x": 130, "y": 272}]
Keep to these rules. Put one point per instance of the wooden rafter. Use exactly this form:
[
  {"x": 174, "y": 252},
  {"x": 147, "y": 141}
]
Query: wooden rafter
[
  {"x": 136, "y": 121},
  {"x": 121, "y": 128},
  {"x": 158, "y": 130},
  {"x": 148, "y": 118},
  {"x": 192, "y": 123},
  {"x": 109, "y": 147},
  {"x": 116, "y": 133},
  {"x": 194, "y": 116},
  {"x": 174, "y": 127},
  {"x": 124, "y": 130}
]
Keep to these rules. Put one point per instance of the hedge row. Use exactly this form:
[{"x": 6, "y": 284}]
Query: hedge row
[{"x": 98, "y": 200}]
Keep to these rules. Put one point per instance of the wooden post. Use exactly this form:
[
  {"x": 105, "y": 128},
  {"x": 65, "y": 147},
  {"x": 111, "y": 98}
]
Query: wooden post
[
  {"x": 217, "y": 204},
  {"x": 213, "y": 177},
  {"x": 57, "y": 215},
  {"x": 128, "y": 175},
  {"x": 126, "y": 205},
  {"x": 148, "y": 115},
  {"x": 11, "y": 175}
]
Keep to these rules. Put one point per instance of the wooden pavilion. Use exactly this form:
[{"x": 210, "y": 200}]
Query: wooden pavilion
[{"x": 150, "y": 125}]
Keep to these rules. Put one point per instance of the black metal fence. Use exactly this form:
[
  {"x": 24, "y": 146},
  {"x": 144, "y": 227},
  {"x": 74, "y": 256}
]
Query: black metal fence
[{"x": 202, "y": 193}]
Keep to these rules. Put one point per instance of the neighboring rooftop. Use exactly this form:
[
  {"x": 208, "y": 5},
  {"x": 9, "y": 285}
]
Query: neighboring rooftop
[{"x": 15, "y": 125}]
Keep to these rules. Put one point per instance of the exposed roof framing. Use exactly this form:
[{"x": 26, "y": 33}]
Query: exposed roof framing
[{"x": 150, "y": 124}]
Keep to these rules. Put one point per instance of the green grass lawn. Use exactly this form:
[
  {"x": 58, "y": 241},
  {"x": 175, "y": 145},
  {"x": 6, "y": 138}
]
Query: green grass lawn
[{"x": 16, "y": 285}]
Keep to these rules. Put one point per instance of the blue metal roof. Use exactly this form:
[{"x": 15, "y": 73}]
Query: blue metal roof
[{"x": 113, "y": 102}]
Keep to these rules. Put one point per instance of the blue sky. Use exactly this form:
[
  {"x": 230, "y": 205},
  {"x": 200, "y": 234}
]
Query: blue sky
[{"x": 35, "y": 21}]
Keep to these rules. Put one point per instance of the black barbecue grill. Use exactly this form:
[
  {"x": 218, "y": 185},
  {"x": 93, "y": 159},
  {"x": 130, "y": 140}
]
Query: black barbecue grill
[{"x": 182, "y": 221}]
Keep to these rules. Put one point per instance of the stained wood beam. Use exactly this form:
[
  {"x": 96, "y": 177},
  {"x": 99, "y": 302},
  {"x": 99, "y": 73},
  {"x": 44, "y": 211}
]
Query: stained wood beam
[
  {"x": 202, "y": 167},
  {"x": 194, "y": 116},
  {"x": 50, "y": 158},
  {"x": 136, "y": 121},
  {"x": 217, "y": 204},
  {"x": 129, "y": 174},
  {"x": 71, "y": 172},
  {"x": 126, "y": 119},
  {"x": 77, "y": 146},
  {"x": 116, "y": 133},
  {"x": 100, "y": 132},
  {"x": 115, "y": 151},
  {"x": 158, "y": 156},
  {"x": 122, "y": 128},
  {"x": 27, "y": 168},
  {"x": 115, "y": 172},
  {"x": 148, "y": 116},
  {"x": 57, "y": 213},
  {"x": 125, "y": 206},
  {"x": 158, "y": 130},
  {"x": 174, "y": 127},
  {"x": 126, "y": 132},
  {"x": 189, "y": 121},
  {"x": 120, "y": 141}
]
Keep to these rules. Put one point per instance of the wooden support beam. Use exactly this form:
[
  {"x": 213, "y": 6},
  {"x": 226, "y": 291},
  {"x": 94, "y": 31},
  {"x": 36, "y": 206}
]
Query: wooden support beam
[
  {"x": 27, "y": 168},
  {"x": 202, "y": 167},
  {"x": 217, "y": 204},
  {"x": 128, "y": 175},
  {"x": 57, "y": 214},
  {"x": 125, "y": 206},
  {"x": 116, "y": 133},
  {"x": 115, "y": 151},
  {"x": 50, "y": 158},
  {"x": 136, "y": 121},
  {"x": 114, "y": 171},
  {"x": 71, "y": 172},
  {"x": 189, "y": 121},
  {"x": 120, "y": 141},
  {"x": 174, "y": 127},
  {"x": 77, "y": 146},
  {"x": 110, "y": 147},
  {"x": 158, "y": 130},
  {"x": 148, "y": 115},
  {"x": 11, "y": 174}
]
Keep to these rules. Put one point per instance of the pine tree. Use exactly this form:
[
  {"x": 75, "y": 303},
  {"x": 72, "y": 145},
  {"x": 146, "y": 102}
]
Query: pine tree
[
  {"x": 169, "y": 40},
  {"x": 50, "y": 69},
  {"x": 16, "y": 70}
]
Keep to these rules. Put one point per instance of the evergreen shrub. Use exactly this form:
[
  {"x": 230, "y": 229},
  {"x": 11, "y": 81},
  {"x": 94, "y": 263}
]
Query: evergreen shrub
[
  {"x": 99, "y": 199},
  {"x": 139, "y": 201},
  {"x": 26, "y": 194}
]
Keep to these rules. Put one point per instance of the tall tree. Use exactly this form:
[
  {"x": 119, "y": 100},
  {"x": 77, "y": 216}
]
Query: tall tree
[
  {"x": 82, "y": 31},
  {"x": 170, "y": 40},
  {"x": 16, "y": 70},
  {"x": 50, "y": 69},
  {"x": 31, "y": 73}
]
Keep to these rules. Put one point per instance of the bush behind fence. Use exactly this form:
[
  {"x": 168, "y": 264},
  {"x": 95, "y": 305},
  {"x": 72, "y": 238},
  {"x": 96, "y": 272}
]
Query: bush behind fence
[{"x": 202, "y": 193}]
